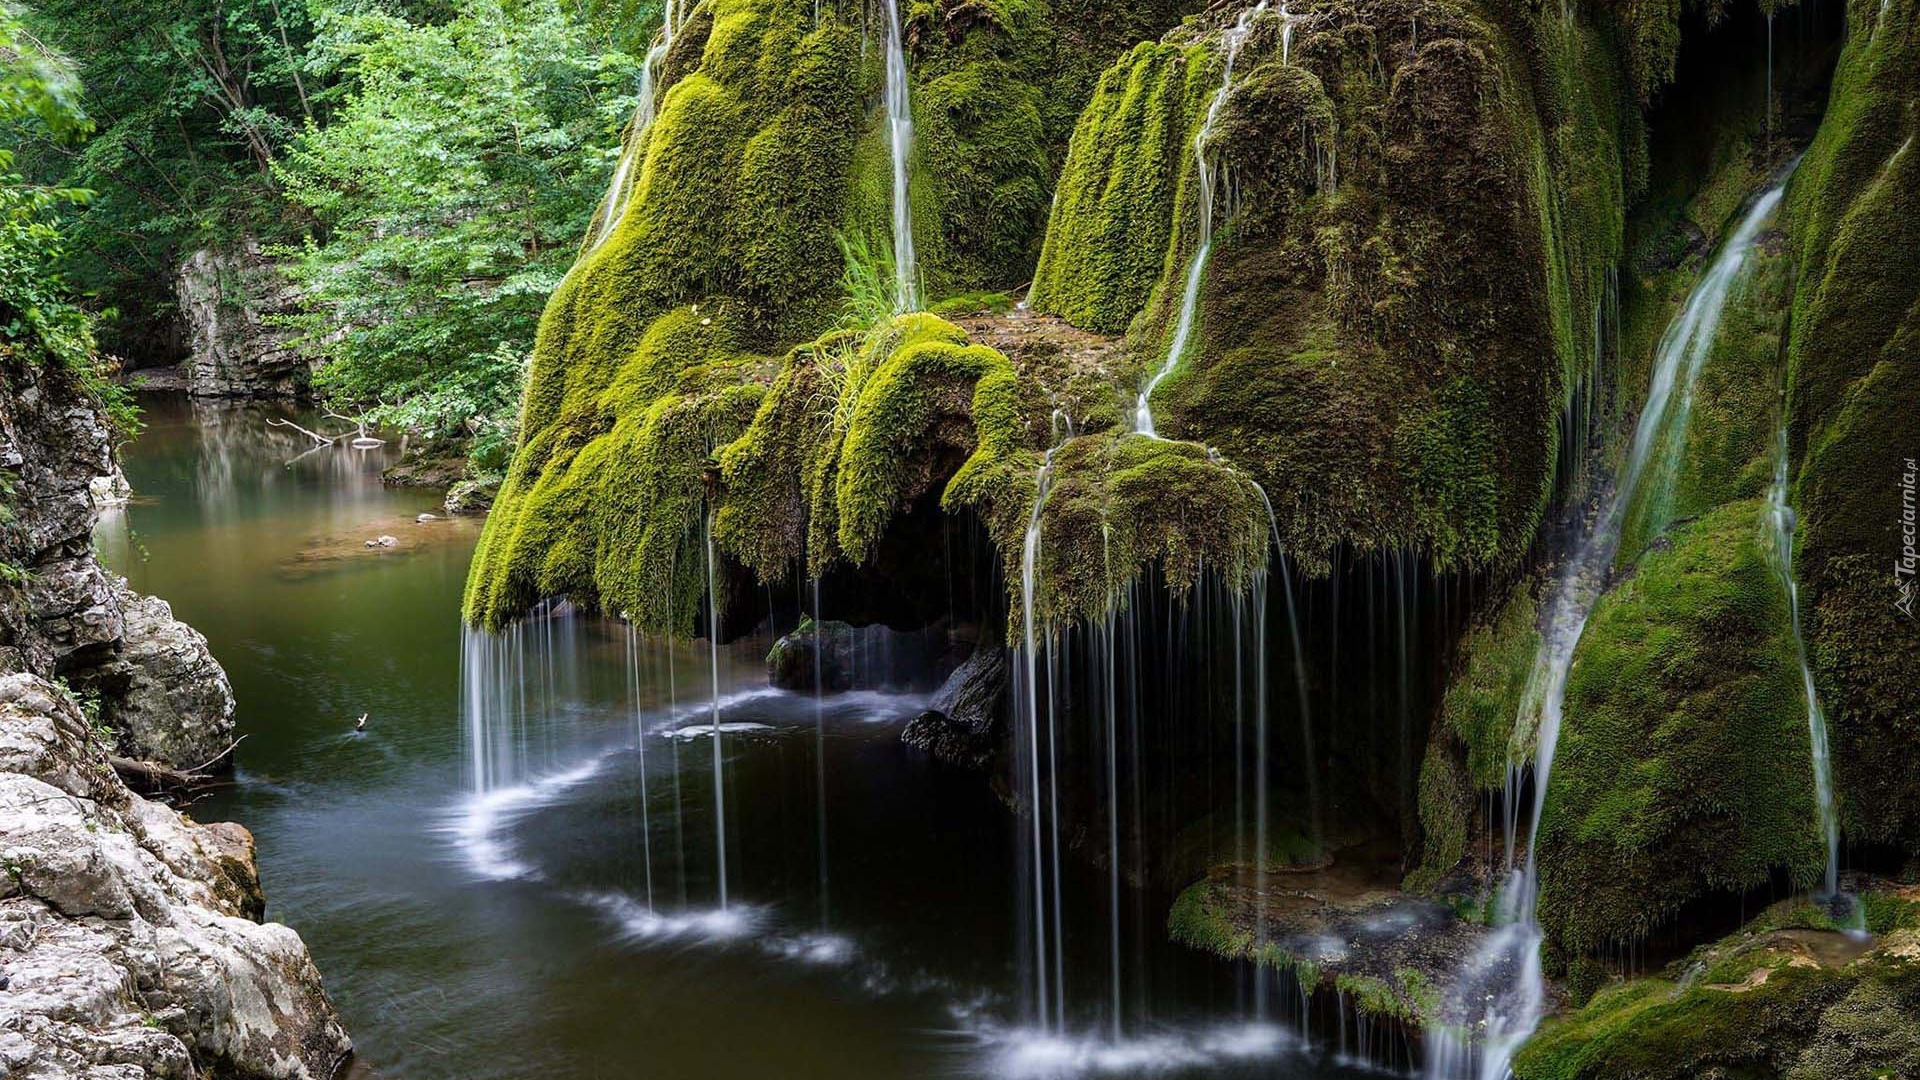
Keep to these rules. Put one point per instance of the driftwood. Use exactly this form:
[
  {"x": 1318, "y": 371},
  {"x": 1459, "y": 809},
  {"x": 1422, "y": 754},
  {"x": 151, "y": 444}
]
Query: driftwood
[{"x": 153, "y": 778}]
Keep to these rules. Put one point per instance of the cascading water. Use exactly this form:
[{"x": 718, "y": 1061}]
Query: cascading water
[
  {"x": 719, "y": 763},
  {"x": 1501, "y": 990},
  {"x": 1780, "y": 526},
  {"x": 614, "y": 206},
  {"x": 906, "y": 265},
  {"x": 1234, "y": 37}
]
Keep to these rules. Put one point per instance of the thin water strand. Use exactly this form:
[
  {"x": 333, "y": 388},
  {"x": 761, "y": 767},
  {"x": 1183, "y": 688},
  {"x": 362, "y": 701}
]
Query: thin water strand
[
  {"x": 1234, "y": 37},
  {"x": 1781, "y": 522},
  {"x": 906, "y": 264},
  {"x": 620, "y": 191}
]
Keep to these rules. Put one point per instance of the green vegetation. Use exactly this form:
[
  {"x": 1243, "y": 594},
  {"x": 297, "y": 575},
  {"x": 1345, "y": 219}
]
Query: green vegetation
[
  {"x": 1784, "y": 997},
  {"x": 442, "y": 202},
  {"x": 1854, "y": 213},
  {"x": 41, "y": 319},
  {"x": 1683, "y": 765}
]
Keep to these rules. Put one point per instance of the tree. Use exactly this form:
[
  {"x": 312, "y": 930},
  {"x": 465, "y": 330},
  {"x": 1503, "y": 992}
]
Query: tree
[{"x": 448, "y": 193}]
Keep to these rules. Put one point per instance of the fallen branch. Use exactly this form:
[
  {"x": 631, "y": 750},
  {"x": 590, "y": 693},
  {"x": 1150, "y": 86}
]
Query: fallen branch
[
  {"x": 153, "y": 778},
  {"x": 323, "y": 440}
]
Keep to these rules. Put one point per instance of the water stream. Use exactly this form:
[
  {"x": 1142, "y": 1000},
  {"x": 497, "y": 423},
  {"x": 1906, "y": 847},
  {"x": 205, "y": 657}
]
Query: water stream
[
  {"x": 906, "y": 264},
  {"x": 1502, "y": 984},
  {"x": 1203, "y": 169},
  {"x": 634, "y": 145}
]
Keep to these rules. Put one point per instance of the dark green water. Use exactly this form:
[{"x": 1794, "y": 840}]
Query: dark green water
[{"x": 903, "y": 966}]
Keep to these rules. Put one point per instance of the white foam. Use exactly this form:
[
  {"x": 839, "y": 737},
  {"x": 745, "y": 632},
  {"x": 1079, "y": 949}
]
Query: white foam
[
  {"x": 703, "y": 730},
  {"x": 1032, "y": 1054},
  {"x": 697, "y": 925},
  {"x": 481, "y": 817}
]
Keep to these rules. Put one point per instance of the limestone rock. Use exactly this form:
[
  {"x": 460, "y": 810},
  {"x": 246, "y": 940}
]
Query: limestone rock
[
  {"x": 127, "y": 931},
  {"x": 163, "y": 692},
  {"x": 225, "y": 300}
]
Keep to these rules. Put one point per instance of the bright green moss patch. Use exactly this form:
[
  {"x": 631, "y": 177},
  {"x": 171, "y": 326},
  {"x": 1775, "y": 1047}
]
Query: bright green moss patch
[{"x": 1683, "y": 765}]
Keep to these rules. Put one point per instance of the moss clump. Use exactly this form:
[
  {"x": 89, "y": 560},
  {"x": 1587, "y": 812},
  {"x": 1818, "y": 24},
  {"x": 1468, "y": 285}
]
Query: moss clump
[
  {"x": 1854, "y": 211},
  {"x": 1422, "y": 206},
  {"x": 1683, "y": 764},
  {"x": 1475, "y": 732},
  {"x": 1772, "y": 1000},
  {"x": 1118, "y": 503},
  {"x": 1107, "y": 245}
]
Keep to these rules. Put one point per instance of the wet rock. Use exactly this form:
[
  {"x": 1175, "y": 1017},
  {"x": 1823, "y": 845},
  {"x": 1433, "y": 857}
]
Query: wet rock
[
  {"x": 127, "y": 932},
  {"x": 1341, "y": 926},
  {"x": 423, "y": 518},
  {"x": 962, "y": 724},
  {"x": 855, "y": 657}
]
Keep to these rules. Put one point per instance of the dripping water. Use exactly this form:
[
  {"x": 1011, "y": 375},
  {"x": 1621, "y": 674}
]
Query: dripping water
[
  {"x": 906, "y": 265},
  {"x": 1502, "y": 988},
  {"x": 1235, "y": 36},
  {"x": 1780, "y": 522},
  {"x": 719, "y": 771},
  {"x": 614, "y": 206}
]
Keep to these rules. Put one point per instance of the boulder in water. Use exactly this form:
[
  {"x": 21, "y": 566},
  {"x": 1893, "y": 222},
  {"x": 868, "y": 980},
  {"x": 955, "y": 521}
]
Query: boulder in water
[{"x": 963, "y": 721}]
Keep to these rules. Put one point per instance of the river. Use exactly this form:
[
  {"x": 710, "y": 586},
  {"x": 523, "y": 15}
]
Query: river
[{"x": 903, "y": 967}]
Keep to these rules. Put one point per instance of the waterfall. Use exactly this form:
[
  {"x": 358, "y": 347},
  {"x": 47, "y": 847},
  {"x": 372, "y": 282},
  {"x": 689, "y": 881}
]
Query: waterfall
[
  {"x": 1502, "y": 984},
  {"x": 1286, "y": 36},
  {"x": 614, "y": 206},
  {"x": 640, "y": 742},
  {"x": 1029, "y": 718},
  {"x": 1780, "y": 526},
  {"x": 906, "y": 265},
  {"x": 719, "y": 768},
  {"x": 1235, "y": 36}
]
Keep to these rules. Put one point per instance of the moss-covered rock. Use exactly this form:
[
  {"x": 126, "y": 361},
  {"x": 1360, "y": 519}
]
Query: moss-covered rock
[
  {"x": 1854, "y": 375},
  {"x": 1421, "y": 200},
  {"x": 1787, "y": 996},
  {"x": 653, "y": 399},
  {"x": 1683, "y": 763}
]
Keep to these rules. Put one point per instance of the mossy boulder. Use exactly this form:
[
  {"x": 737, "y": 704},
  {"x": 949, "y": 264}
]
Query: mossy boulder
[
  {"x": 1420, "y": 202},
  {"x": 1854, "y": 376},
  {"x": 1788, "y": 996},
  {"x": 1684, "y": 765}
]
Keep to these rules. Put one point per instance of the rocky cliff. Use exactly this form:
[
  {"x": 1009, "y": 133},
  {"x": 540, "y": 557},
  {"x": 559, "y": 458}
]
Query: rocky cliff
[
  {"x": 130, "y": 936},
  {"x": 62, "y": 615},
  {"x": 226, "y": 300}
]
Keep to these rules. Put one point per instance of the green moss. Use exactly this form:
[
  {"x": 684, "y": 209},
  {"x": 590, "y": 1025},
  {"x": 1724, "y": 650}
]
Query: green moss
[
  {"x": 1113, "y": 208},
  {"x": 1683, "y": 764},
  {"x": 1763, "y": 1002},
  {"x": 1475, "y": 733},
  {"x": 1854, "y": 211}
]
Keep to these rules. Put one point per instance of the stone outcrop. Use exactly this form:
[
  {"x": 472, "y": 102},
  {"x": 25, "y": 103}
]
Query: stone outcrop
[
  {"x": 226, "y": 299},
  {"x": 158, "y": 685},
  {"x": 130, "y": 944},
  {"x": 963, "y": 721}
]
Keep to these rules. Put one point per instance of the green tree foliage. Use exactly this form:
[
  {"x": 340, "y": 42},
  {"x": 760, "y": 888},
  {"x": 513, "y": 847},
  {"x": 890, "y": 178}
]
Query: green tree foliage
[
  {"x": 449, "y": 192},
  {"x": 39, "y": 320},
  {"x": 193, "y": 100}
]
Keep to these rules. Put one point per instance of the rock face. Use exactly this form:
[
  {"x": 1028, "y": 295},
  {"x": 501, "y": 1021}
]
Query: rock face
[
  {"x": 225, "y": 298},
  {"x": 963, "y": 721},
  {"x": 129, "y": 940},
  {"x": 158, "y": 684}
]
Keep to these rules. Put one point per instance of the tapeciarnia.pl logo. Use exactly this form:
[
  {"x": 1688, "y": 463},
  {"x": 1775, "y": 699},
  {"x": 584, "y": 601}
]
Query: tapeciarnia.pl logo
[{"x": 1905, "y": 565}]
